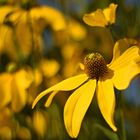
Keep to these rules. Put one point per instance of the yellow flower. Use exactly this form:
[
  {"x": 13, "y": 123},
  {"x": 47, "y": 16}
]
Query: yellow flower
[
  {"x": 49, "y": 67},
  {"x": 5, "y": 123},
  {"x": 4, "y": 11},
  {"x": 40, "y": 123},
  {"x": 14, "y": 89},
  {"x": 49, "y": 14},
  {"x": 76, "y": 30},
  {"x": 5, "y": 96},
  {"x": 31, "y": 23},
  {"x": 100, "y": 77},
  {"x": 21, "y": 81},
  {"x": 101, "y": 17}
]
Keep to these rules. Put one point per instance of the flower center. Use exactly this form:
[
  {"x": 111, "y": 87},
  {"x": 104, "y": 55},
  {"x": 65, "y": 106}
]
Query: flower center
[{"x": 95, "y": 66}]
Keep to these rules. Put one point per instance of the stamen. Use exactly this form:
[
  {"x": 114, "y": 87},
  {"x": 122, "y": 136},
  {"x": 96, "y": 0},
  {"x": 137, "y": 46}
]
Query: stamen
[{"x": 95, "y": 66}]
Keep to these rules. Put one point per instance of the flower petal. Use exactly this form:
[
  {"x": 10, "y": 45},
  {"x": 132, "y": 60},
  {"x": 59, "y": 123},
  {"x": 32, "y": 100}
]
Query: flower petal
[
  {"x": 50, "y": 98},
  {"x": 129, "y": 55},
  {"x": 96, "y": 18},
  {"x": 120, "y": 47},
  {"x": 125, "y": 67},
  {"x": 76, "y": 107},
  {"x": 68, "y": 112},
  {"x": 65, "y": 85},
  {"x": 116, "y": 51},
  {"x": 20, "y": 83},
  {"x": 110, "y": 13},
  {"x": 123, "y": 76},
  {"x": 106, "y": 101}
]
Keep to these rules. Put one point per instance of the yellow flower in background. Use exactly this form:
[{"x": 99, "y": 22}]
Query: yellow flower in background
[
  {"x": 5, "y": 123},
  {"x": 5, "y": 94},
  {"x": 71, "y": 58},
  {"x": 100, "y": 76},
  {"x": 4, "y": 11},
  {"x": 34, "y": 16},
  {"x": 30, "y": 23},
  {"x": 76, "y": 30},
  {"x": 21, "y": 81},
  {"x": 51, "y": 15},
  {"x": 49, "y": 67},
  {"x": 14, "y": 89},
  {"x": 101, "y": 17},
  {"x": 40, "y": 122}
]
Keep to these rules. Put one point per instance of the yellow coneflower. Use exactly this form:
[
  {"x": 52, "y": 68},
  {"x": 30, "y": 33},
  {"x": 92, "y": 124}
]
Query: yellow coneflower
[
  {"x": 101, "y": 17},
  {"x": 97, "y": 76}
]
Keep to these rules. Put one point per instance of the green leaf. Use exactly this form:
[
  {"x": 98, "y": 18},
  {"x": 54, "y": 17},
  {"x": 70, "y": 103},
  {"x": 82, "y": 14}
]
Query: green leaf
[{"x": 110, "y": 134}]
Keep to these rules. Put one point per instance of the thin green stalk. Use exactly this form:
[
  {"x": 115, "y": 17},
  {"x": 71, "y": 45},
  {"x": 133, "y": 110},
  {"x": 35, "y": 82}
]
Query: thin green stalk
[{"x": 121, "y": 115}]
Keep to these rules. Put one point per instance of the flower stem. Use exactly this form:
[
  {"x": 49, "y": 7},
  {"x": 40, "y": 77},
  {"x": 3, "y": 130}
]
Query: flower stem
[{"x": 121, "y": 115}]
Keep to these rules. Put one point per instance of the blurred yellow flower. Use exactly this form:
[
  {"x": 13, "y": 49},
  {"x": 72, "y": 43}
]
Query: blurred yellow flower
[
  {"x": 40, "y": 123},
  {"x": 51, "y": 15},
  {"x": 71, "y": 58},
  {"x": 14, "y": 89},
  {"x": 101, "y": 17},
  {"x": 4, "y": 11},
  {"x": 76, "y": 30},
  {"x": 49, "y": 67},
  {"x": 100, "y": 76},
  {"x": 15, "y": 21},
  {"x": 5, "y": 96},
  {"x": 20, "y": 82},
  {"x": 5, "y": 123},
  {"x": 37, "y": 77}
]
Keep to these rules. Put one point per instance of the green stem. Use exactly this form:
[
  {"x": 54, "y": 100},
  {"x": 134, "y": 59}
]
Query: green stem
[{"x": 122, "y": 127}]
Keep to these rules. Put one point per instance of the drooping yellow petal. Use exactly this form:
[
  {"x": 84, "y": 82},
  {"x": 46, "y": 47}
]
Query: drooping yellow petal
[
  {"x": 87, "y": 92},
  {"x": 129, "y": 55},
  {"x": 116, "y": 52},
  {"x": 106, "y": 101},
  {"x": 76, "y": 107},
  {"x": 110, "y": 13},
  {"x": 50, "y": 98},
  {"x": 120, "y": 47},
  {"x": 123, "y": 76},
  {"x": 68, "y": 112},
  {"x": 125, "y": 68},
  {"x": 65, "y": 85},
  {"x": 96, "y": 18}
]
